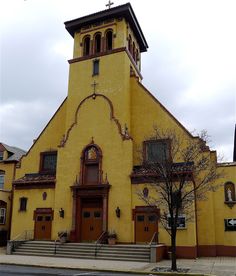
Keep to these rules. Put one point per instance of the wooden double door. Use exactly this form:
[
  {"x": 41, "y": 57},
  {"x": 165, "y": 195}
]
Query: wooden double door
[
  {"x": 146, "y": 224},
  {"x": 91, "y": 220},
  {"x": 43, "y": 224}
]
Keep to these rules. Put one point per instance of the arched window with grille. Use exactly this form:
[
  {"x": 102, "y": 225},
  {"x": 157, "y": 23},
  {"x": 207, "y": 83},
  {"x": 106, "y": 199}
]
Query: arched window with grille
[
  {"x": 91, "y": 165},
  {"x": 97, "y": 43},
  {"x": 109, "y": 40},
  {"x": 229, "y": 188},
  {"x": 86, "y": 46}
]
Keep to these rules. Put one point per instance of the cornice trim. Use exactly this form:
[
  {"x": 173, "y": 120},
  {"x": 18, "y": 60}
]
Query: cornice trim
[{"x": 124, "y": 136}]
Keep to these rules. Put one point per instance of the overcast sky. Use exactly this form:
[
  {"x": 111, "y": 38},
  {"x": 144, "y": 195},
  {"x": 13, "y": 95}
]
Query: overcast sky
[{"x": 190, "y": 65}]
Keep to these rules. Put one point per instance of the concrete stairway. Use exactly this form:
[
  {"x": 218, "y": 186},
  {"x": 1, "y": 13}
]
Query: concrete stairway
[{"x": 139, "y": 253}]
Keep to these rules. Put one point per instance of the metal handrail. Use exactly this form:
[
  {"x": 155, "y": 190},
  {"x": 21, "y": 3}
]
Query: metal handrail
[
  {"x": 58, "y": 239},
  {"x": 98, "y": 244},
  {"x": 26, "y": 235},
  {"x": 154, "y": 237}
]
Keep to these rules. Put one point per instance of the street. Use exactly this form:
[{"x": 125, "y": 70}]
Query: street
[{"x": 13, "y": 270}]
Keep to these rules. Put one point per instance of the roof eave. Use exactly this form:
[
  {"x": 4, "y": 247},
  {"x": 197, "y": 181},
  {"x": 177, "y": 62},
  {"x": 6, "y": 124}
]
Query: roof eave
[{"x": 125, "y": 11}]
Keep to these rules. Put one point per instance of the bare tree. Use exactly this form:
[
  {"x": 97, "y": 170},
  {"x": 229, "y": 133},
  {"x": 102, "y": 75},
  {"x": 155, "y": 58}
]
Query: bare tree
[{"x": 181, "y": 171}]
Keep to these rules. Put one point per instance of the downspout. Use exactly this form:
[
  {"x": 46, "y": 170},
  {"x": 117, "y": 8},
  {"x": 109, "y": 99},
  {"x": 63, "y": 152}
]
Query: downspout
[{"x": 196, "y": 218}]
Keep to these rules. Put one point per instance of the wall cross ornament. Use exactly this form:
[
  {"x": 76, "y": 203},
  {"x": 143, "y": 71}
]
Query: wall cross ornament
[
  {"x": 109, "y": 4},
  {"x": 94, "y": 84}
]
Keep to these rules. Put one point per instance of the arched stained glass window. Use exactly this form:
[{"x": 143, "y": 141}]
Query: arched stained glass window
[{"x": 91, "y": 158}]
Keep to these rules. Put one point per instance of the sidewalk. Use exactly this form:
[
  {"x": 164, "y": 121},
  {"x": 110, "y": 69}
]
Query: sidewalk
[{"x": 217, "y": 266}]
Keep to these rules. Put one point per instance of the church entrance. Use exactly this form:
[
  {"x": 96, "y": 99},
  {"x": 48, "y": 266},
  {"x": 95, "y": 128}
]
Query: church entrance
[
  {"x": 91, "y": 219},
  {"x": 90, "y": 198},
  {"x": 146, "y": 224},
  {"x": 91, "y": 224},
  {"x": 43, "y": 223}
]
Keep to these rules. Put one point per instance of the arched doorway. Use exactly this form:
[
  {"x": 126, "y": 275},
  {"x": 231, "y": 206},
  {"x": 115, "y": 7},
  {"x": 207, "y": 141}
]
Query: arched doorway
[{"x": 90, "y": 197}]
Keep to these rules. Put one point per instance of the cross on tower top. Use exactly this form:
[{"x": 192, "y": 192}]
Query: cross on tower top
[{"x": 109, "y": 4}]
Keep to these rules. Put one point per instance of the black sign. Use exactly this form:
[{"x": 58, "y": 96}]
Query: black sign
[
  {"x": 230, "y": 224},
  {"x": 180, "y": 222}
]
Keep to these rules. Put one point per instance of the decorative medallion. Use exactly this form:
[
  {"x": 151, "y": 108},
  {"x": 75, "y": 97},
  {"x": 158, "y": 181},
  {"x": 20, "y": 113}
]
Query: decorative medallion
[
  {"x": 44, "y": 195},
  {"x": 145, "y": 192}
]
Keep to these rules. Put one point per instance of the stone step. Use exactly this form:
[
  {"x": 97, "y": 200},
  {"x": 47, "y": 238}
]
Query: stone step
[
  {"x": 67, "y": 251},
  {"x": 86, "y": 256},
  {"x": 89, "y": 244},
  {"x": 100, "y": 252},
  {"x": 80, "y": 247},
  {"x": 85, "y": 251}
]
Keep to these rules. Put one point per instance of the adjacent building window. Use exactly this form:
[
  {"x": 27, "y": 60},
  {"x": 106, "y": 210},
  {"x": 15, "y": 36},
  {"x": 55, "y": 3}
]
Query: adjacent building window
[
  {"x": 86, "y": 46},
  {"x": 109, "y": 40},
  {"x": 2, "y": 175},
  {"x": 3, "y": 211},
  {"x": 181, "y": 222},
  {"x": 2, "y": 215},
  {"x": 95, "y": 67},
  {"x": 48, "y": 162},
  {"x": 1, "y": 155},
  {"x": 229, "y": 188},
  {"x": 23, "y": 203},
  {"x": 157, "y": 151}
]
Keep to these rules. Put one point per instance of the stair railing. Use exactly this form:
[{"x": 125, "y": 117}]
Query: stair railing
[
  {"x": 13, "y": 244},
  {"x": 99, "y": 242},
  {"x": 60, "y": 235},
  {"x": 154, "y": 239}
]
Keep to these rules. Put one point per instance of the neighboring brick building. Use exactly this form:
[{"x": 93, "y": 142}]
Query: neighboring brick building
[{"x": 9, "y": 157}]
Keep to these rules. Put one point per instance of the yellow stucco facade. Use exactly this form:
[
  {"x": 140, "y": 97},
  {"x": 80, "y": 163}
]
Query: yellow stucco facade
[{"x": 95, "y": 136}]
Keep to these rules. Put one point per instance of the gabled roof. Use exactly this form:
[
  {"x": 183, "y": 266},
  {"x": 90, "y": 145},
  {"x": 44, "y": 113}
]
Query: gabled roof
[
  {"x": 16, "y": 153},
  {"x": 125, "y": 11}
]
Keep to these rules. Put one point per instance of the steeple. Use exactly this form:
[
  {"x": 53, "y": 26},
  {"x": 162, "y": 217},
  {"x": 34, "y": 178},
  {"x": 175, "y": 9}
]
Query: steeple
[
  {"x": 107, "y": 53},
  {"x": 113, "y": 29}
]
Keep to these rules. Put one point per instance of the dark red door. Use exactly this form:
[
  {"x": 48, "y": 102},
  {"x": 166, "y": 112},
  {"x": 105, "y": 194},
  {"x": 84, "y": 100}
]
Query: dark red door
[{"x": 145, "y": 226}]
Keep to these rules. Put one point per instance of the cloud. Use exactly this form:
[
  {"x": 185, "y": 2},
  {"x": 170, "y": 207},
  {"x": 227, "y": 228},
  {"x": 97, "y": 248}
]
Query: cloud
[{"x": 189, "y": 66}]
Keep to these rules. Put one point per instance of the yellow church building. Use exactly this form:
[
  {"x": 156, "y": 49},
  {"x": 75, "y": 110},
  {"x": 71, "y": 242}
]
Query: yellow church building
[{"x": 80, "y": 175}]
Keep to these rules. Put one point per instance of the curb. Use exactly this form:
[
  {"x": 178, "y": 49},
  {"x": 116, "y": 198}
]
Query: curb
[{"x": 110, "y": 270}]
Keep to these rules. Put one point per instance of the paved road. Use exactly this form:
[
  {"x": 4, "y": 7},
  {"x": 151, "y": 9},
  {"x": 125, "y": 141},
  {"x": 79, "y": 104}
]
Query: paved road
[{"x": 13, "y": 270}]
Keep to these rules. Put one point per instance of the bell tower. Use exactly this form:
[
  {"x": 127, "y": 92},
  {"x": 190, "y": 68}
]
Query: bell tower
[{"x": 107, "y": 52}]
